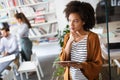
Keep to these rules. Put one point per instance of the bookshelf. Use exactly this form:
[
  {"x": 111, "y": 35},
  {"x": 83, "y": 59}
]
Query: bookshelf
[
  {"x": 46, "y": 23},
  {"x": 41, "y": 14}
]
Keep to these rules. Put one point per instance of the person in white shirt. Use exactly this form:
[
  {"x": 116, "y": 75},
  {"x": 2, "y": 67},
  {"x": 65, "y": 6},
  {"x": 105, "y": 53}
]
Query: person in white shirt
[
  {"x": 23, "y": 31},
  {"x": 8, "y": 42}
]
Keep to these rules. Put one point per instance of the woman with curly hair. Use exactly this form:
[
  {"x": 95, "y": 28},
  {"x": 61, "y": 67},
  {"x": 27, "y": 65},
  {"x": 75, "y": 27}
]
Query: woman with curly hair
[{"x": 81, "y": 46}]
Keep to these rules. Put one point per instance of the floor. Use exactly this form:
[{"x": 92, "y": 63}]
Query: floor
[
  {"x": 114, "y": 75},
  {"x": 46, "y": 64}
]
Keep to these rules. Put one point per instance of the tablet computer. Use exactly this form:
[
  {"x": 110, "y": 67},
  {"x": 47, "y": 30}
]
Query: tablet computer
[{"x": 67, "y": 62}]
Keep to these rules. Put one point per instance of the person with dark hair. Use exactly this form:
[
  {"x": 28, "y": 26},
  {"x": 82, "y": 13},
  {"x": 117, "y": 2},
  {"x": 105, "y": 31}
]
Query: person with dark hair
[
  {"x": 8, "y": 42},
  {"x": 23, "y": 31},
  {"x": 81, "y": 53}
]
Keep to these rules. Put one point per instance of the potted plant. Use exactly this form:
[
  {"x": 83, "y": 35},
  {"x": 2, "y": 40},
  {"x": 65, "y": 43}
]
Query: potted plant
[{"x": 59, "y": 70}]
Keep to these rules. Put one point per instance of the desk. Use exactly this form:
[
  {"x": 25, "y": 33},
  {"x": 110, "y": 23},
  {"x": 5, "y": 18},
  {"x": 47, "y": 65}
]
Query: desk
[
  {"x": 4, "y": 65},
  {"x": 7, "y": 58}
]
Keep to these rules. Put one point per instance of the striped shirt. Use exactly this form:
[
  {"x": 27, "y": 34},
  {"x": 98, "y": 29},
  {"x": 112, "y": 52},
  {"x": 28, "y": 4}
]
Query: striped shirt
[{"x": 79, "y": 54}]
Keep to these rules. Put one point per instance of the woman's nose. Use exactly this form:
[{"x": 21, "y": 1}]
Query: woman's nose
[{"x": 71, "y": 23}]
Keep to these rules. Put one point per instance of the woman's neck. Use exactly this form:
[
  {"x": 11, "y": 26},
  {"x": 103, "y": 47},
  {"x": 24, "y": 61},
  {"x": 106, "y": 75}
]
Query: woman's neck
[{"x": 83, "y": 32}]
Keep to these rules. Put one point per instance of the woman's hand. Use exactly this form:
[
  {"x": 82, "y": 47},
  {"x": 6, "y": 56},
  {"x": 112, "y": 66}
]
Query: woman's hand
[
  {"x": 75, "y": 36},
  {"x": 76, "y": 65}
]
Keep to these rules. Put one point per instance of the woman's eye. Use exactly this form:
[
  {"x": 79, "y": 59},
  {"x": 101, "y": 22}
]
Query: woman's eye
[{"x": 76, "y": 21}]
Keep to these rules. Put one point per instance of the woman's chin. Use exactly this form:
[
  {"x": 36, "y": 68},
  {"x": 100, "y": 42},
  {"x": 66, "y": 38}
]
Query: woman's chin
[{"x": 72, "y": 30}]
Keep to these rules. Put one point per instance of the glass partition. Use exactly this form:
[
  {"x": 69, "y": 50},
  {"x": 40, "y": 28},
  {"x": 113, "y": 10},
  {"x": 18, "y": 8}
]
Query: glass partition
[{"x": 107, "y": 14}]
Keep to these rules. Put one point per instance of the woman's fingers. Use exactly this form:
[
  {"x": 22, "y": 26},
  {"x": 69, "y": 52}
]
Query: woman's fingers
[{"x": 78, "y": 34}]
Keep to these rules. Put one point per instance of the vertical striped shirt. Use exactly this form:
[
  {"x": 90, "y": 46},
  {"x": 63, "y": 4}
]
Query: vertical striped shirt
[{"x": 79, "y": 54}]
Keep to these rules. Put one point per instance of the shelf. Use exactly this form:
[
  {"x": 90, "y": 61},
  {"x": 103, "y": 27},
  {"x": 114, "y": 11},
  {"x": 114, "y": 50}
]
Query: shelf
[
  {"x": 39, "y": 24},
  {"x": 39, "y": 3},
  {"x": 34, "y": 15},
  {"x": 6, "y": 20},
  {"x": 44, "y": 13},
  {"x": 37, "y": 11},
  {"x": 38, "y": 36},
  {"x": 15, "y": 7},
  {"x": 45, "y": 43},
  {"x": 7, "y": 9}
]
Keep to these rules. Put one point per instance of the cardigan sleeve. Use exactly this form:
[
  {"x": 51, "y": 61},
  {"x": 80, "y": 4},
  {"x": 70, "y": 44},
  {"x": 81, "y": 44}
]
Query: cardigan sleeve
[
  {"x": 93, "y": 65},
  {"x": 63, "y": 56}
]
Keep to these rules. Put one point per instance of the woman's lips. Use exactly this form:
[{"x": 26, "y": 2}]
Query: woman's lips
[{"x": 72, "y": 29}]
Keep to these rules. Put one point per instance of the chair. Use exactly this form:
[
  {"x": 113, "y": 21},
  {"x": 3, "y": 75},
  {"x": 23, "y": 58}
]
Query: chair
[
  {"x": 9, "y": 75},
  {"x": 118, "y": 65},
  {"x": 29, "y": 66}
]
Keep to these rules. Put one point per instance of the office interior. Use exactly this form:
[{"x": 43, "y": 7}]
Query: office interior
[{"x": 48, "y": 23}]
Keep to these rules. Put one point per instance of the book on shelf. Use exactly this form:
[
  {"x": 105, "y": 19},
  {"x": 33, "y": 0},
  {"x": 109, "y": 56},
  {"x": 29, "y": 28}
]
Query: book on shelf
[
  {"x": 36, "y": 31},
  {"x": 12, "y": 3},
  {"x": 28, "y": 11},
  {"x": 40, "y": 19},
  {"x": 52, "y": 28},
  {"x": 3, "y": 15},
  {"x": 54, "y": 25},
  {"x": 43, "y": 31},
  {"x": 20, "y": 2},
  {"x": 48, "y": 39},
  {"x": 52, "y": 39},
  {"x": 31, "y": 32},
  {"x": 40, "y": 11},
  {"x": 3, "y": 4},
  {"x": 43, "y": 39},
  {"x": 26, "y": 2}
]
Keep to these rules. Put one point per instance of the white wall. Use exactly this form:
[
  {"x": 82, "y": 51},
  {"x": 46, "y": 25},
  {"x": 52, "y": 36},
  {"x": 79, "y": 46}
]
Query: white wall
[
  {"x": 92, "y": 2},
  {"x": 60, "y": 6}
]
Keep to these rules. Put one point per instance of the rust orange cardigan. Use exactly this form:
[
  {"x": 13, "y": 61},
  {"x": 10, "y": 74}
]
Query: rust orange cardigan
[{"x": 93, "y": 65}]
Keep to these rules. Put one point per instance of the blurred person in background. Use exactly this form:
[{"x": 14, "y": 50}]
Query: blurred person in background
[{"x": 23, "y": 32}]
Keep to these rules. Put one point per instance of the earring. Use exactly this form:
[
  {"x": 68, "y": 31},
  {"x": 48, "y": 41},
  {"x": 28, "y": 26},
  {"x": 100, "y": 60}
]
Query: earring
[{"x": 83, "y": 23}]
